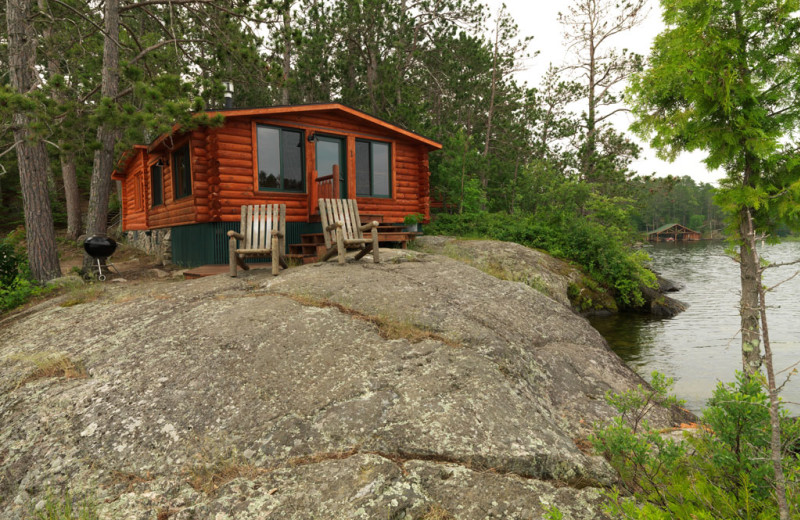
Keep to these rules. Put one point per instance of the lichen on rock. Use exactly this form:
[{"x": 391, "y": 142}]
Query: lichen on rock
[{"x": 242, "y": 398}]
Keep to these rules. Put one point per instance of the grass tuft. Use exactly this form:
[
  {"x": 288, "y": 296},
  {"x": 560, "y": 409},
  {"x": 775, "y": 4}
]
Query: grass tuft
[
  {"x": 388, "y": 328},
  {"x": 437, "y": 512},
  {"x": 52, "y": 364},
  {"x": 64, "y": 508},
  {"x": 212, "y": 470},
  {"x": 129, "y": 479},
  {"x": 82, "y": 294}
]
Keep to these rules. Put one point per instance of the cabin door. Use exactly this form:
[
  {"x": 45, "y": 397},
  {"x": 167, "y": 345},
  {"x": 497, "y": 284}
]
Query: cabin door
[{"x": 330, "y": 153}]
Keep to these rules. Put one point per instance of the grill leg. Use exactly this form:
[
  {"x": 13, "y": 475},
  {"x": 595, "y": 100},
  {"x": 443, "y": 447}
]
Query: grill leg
[{"x": 100, "y": 275}]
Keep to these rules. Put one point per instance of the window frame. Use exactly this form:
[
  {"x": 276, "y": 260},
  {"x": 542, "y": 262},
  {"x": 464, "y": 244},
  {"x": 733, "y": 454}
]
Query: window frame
[
  {"x": 390, "y": 164},
  {"x": 176, "y": 185},
  {"x": 153, "y": 202},
  {"x": 303, "y": 176}
]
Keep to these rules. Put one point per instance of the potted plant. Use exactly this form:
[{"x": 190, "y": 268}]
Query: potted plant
[{"x": 412, "y": 222}]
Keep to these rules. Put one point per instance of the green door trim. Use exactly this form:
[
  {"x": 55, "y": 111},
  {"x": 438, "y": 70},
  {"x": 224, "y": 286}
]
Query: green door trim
[{"x": 342, "y": 142}]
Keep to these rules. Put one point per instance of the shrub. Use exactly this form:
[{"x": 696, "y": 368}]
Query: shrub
[
  {"x": 597, "y": 248},
  {"x": 721, "y": 471},
  {"x": 10, "y": 261},
  {"x": 16, "y": 282}
]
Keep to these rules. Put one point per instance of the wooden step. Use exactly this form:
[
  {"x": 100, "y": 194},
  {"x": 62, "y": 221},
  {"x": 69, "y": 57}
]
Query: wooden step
[{"x": 307, "y": 249}]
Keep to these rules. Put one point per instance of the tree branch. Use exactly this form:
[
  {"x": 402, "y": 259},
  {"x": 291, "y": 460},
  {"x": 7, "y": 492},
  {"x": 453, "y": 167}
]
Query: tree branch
[
  {"x": 782, "y": 264},
  {"x": 103, "y": 31},
  {"x": 598, "y": 119},
  {"x": 163, "y": 2},
  {"x": 10, "y": 148},
  {"x": 161, "y": 44},
  {"x": 781, "y": 282}
]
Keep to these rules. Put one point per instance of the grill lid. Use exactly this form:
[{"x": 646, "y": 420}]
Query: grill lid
[{"x": 99, "y": 246}]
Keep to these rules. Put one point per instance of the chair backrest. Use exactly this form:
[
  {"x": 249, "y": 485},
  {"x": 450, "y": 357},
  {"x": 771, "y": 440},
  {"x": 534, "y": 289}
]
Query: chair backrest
[
  {"x": 340, "y": 210},
  {"x": 258, "y": 222}
]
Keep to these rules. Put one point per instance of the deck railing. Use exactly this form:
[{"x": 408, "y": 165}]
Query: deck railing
[{"x": 325, "y": 187}]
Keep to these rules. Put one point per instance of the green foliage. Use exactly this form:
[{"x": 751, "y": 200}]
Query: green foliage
[
  {"x": 712, "y": 85},
  {"x": 554, "y": 513},
  {"x": 722, "y": 471},
  {"x": 10, "y": 262},
  {"x": 16, "y": 282},
  {"x": 65, "y": 508},
  {"x": 667, "y": 200},
  {"x": 413, "y": 218},
  {"x": 633, "y": 405},
  {"x": 592, "y": 245}
]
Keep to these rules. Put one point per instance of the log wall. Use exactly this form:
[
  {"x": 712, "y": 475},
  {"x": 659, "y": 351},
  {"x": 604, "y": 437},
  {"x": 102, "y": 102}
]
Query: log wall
[
  {"x": 224, "y": 163},
  {"x": 135, "y": 193}
]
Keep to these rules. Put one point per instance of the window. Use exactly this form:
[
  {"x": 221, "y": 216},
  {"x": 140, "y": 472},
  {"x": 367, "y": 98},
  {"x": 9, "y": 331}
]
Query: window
[
  {"x": 373, "y": 169},
  {"x": 157, "y": 184},
  {"x": 182, "y": 172},
  {"x": 138, "y": 193},
  {"x": 280, "y": 159}
]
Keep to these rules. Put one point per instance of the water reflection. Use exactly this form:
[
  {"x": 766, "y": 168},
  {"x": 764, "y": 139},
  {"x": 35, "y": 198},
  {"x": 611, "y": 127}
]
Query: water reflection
[{"x": 701, "y": 345}]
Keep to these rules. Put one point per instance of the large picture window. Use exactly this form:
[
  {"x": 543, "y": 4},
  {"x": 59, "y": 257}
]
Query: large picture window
[
  {"x": 182, "y": 172},
  {"x": 280, "y": 159},
  {"x": 157, "y": 184},
  {"x": 373, "y": 169}
]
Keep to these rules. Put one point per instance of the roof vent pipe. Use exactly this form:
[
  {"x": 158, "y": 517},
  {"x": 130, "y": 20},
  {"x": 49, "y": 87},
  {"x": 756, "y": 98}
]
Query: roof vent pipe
[{"x": 228, "y": 94}]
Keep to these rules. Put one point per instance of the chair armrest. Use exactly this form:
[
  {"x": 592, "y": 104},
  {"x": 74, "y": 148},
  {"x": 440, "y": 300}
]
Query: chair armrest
[
  {"x": 234, "y": 234},
  {"x": 370, "y": 225},
  {"x": 334, "y": 226},
  {"x": 277, "y": 233}
]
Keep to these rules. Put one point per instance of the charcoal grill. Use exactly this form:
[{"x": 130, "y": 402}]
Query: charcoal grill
[{"x": 100, "y": 248}]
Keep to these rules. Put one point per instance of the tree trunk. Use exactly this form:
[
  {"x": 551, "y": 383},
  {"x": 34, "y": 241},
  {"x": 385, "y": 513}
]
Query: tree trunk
[
  {"x": 287, "y": 52},
  {"x": 68, "y": 167},
  {"x": 514, "y": 188},
  {"x": 591, "y": 127},
  {"x": 96, "y": 220},
  {"x": 748, "y": 304},
  {"x": 750, "y": 271},
  {"x": 776, "y": 449},
  {"x": 73, "y": 196},
  {"x": 484, "y": 174},
  {"x": 372, "y": 77},
  {"x": 32, "y": 156}
]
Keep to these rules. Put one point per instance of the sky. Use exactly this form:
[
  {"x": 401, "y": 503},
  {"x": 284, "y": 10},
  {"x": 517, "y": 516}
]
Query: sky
[{"x": 539, "y": 18}]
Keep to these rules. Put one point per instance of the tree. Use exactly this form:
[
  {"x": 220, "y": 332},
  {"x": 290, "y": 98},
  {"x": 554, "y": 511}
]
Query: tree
[
  {"x": 183, "y": 34},
  {"x": 107, "y": 133},
  {"x": 589, "y": 25},
  {"x": 724, "y": 77},
  {"x": 31, "y": 152}
]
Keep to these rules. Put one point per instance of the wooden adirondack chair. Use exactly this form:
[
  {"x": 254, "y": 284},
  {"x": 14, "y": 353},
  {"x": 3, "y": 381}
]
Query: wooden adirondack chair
[
  {"x": 342, "y": 229},
  {"x": 263, "y": 233}
]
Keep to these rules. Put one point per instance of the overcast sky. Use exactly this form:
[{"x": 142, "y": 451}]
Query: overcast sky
[{"x": 539, "y": 18}]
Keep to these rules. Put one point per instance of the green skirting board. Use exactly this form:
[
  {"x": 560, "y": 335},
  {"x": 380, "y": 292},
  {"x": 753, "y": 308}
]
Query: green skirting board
[{"x": 204, "y": 244}]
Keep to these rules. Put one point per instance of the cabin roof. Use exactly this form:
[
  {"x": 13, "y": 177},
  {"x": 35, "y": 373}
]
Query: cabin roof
[
  {"x": 670, "y": 226},
  {"x": 314, "y": 107},
  {"x": 125, "y": 160}
]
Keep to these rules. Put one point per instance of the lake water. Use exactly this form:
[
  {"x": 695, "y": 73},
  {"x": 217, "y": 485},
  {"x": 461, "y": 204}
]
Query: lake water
[{"x": 701, "y": 346}]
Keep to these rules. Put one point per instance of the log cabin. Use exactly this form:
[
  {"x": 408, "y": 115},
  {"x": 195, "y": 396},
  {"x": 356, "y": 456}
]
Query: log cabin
[
  {"x": 183, "y": 192},
  {"x": 673, "y": 233}
]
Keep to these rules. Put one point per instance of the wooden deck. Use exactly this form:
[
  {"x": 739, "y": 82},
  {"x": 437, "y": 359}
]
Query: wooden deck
[{"x": 312, "y": 245}]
